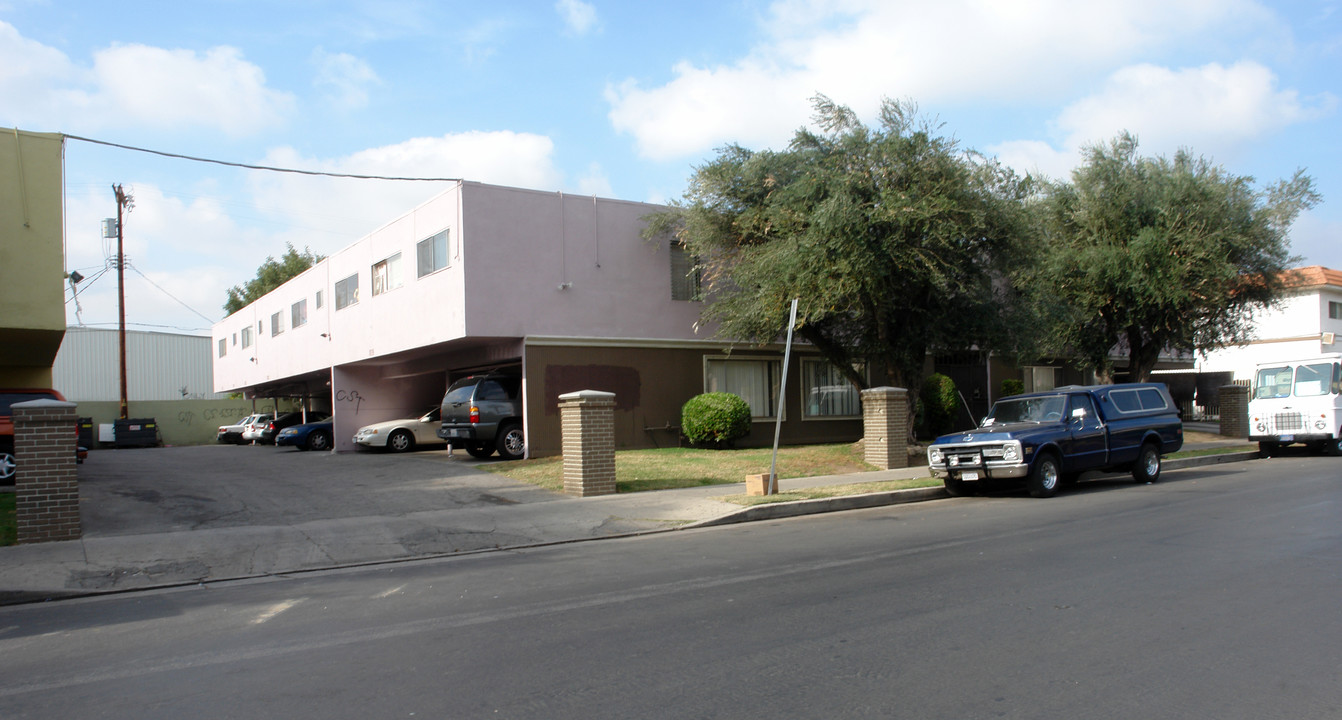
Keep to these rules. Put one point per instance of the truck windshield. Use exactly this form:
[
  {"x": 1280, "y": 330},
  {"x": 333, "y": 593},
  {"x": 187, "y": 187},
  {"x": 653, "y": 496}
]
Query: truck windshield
[
  {"x": 1272, "y": 383},
  {"x": 1035, "y": 409},
  {"x": 1311, "y": 380}
]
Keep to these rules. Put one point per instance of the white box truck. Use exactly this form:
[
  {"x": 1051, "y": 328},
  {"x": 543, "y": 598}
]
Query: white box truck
[{"x": 1298, "y": 401}]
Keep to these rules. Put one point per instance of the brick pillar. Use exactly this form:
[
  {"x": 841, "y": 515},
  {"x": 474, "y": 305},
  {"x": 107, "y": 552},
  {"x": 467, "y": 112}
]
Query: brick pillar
[
  {"x": 885, "y": 427},
  {"x": 588, "y": 421},
  {"x": 1234, "y": 411},
  {"x": 46, "y": 487}
]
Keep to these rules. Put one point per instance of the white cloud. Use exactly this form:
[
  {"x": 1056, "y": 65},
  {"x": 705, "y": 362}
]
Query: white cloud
[
  {"x": 136, "y": 84},
  {"x": 1213, "y": 109},
  {"x": 344, "y": 78},
  {"x": 595, "y": 182},
  {"x": 859, "y": 51},
  {"x": 579, "y": 17},
  {"x": 1036, "y": 157}
]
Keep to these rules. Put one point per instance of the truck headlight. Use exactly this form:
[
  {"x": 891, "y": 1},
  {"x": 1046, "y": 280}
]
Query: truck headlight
[
  {"x": 1261, "y": 427},
  {"x": 934, "y": 456},
  {"x": 1011, "y": 452},
  {"x": 1320, "y": 424}
]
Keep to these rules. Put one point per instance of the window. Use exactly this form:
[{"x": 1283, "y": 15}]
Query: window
[
  {"x": 755, "y": 381},
  {"x": 298, "y": 313},
  {"x": 1137, "y": 400},
  {"x": 1335, "y": 310},
  {"x": 685, "y": 274},
  {"x": 431, "y": 254},
  {"x": 826, "y": 393},
  {"x": 223, "y": 346},
  {"x": 247, "y": 337},
  {"x": 387, "y": 275},
  {"x": 347, "y": 292},
  {"x": 1311, "y": 380},
  {"x": 277, "y": 323},
  {"x": 1041, "y": 379},
  {"x": 319, "y": 299},
  {"x": 235, "y": 338}
]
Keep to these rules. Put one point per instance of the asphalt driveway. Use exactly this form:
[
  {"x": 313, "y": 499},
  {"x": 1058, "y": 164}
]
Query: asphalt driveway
[{"x": 157, "y": 490}]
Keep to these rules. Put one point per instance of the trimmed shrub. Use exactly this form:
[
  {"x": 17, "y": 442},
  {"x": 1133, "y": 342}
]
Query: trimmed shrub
[
  {"x": 940, "y": 405},
  {"x": 715, "y": 419},
  {"x": 1010, "y": 387}
]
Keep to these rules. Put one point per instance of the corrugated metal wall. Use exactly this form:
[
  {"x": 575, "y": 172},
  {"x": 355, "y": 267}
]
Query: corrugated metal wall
[{"x": 159, "y": 366}]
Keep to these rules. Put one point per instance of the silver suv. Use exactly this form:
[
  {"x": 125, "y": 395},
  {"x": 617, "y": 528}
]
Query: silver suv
[{"x": 483, "y": 413}]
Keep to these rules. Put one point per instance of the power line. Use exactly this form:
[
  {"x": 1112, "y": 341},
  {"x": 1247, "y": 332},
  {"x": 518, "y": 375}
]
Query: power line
[
  {"x": 262, "y": 167},
  {"x": 165, "y": 292}
]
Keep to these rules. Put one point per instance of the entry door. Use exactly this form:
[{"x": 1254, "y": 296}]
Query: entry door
[{"x": 1089, "y": 446}]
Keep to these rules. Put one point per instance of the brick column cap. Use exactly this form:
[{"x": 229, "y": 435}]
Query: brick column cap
[
  {"x": 587, "y": 395},
  {"x": 43, "y": 403},
  {"x": 885, "y": 390}
]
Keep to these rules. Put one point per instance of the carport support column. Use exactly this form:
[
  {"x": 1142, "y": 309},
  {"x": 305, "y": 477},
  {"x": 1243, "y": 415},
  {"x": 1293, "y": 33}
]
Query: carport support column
[
  {"x": 587, "y": 419},
  {"x": 46, "y": 489},
  {"x": 1234, "y": 401},
  {"x": 885, "y": 427}
]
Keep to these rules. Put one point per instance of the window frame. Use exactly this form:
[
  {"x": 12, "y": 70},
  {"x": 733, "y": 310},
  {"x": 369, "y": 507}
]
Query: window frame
[
  {"x": 223, "y": 346},
  {"x": 774, "y": 366},
  {"x": 247, "y": 337},
  {"x": 430, "y": 242},
  {"x": 1334, "y": 310},
  {"x": 686, "y": 275},
  {"x": 350, "y": 298},
  {"x": 277, "y": 323},
  {"x": 298, "y": 313},
  {"x": 805, "y": 388},
  {"x": 388, "y": 272}
]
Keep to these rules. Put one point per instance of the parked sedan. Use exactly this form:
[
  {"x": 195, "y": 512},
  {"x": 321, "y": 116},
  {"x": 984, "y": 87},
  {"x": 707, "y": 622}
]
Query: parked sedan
[
  {"x": 251, "y": 430},
  {"x": 232, "y": 434},
  {"x": 271, "y": 429},
  {"x": 402, "y": 435},
  {"x": 308, "y": 436}
]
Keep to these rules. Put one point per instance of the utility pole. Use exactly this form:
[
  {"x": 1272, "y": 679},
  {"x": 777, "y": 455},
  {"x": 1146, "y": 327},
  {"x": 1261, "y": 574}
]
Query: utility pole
[{"x": 123, "y": 202}]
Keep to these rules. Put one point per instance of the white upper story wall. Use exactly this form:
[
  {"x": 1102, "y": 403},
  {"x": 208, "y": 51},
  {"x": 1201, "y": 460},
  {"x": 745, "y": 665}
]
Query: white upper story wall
[
  {"x": 1297, "y": 329},
  {"x": 518, "y": 263}
]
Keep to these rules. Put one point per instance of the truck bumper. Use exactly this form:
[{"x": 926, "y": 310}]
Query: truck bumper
[
  {"x": 1288, "y": 438},
  {"x": 1003, "y": 470}
]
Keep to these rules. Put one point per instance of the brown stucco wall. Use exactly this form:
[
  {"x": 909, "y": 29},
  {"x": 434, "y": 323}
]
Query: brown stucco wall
[{"x": 650, "y": 386}]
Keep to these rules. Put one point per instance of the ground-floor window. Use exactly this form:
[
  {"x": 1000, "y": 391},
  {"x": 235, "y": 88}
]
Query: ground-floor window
[
  {"x": 826, "y": 393},
  {"x": 754, "y": 380}
]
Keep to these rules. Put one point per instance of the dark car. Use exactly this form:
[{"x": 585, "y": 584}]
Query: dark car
[
  {"x": 483, "y": 413},
  {"x": 308, "y": 436},
  {"x": 272, "y": 428}
]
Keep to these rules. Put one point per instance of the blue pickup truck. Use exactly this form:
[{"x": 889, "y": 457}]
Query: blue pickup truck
[{"x": 1049, "y": 438}]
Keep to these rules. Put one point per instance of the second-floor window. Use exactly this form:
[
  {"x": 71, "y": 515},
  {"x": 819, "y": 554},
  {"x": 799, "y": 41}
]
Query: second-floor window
[
  {"x": 1335, "y": 310},
  {"x": 298, "y": 313},
  {"x": 387, "y": 274},
  {"x": 347, "y": 292},
  {"x": 431, "y": 254},
  {"x": 223, "y": 346},
  {"x": 247, "y": 336},
  {"x": 685, "y": 275},
  {"x": 276, "y": 323}
]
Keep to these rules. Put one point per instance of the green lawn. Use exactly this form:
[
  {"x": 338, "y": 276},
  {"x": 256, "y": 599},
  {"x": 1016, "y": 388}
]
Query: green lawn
[
  {"x": 9, "y": 531},
  {"x": 669, "y": 468}
]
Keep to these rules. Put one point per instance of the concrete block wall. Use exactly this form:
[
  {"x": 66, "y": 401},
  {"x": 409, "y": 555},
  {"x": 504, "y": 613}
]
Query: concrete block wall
[
  {"x": 46, "y": 483},
  {"x": 885, "y": 427},
  {"x": 587, "y": 419}
]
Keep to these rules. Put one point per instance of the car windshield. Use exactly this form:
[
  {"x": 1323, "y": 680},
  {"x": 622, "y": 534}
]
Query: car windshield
[{"x": 1048, "y": 408}]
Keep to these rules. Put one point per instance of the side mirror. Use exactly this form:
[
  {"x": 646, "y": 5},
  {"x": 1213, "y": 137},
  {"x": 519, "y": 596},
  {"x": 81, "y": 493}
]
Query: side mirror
[{"x": 1079, "y": 414}]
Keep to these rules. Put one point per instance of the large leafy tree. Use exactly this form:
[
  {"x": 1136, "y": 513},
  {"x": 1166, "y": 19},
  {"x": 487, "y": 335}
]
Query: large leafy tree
[
  {"x": 1146, "y": 254},
  {"x": 888, "y": 235},
  {"x": 272, "y": 274}
]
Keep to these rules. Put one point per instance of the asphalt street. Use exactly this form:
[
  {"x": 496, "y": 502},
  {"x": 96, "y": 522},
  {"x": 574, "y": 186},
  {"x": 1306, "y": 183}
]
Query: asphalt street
[{"x": 1212, "y": 594}]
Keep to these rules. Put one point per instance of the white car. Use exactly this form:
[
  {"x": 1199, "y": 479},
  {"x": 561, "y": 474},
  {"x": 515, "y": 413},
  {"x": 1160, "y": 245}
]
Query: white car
[
  {"x": 251, "y": 431},
  {"x": 402, "y": 435}
]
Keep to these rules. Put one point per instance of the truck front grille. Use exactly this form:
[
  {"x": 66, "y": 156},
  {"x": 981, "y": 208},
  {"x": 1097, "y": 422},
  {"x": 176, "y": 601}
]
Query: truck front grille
[{"x": 1288, "y": 422}]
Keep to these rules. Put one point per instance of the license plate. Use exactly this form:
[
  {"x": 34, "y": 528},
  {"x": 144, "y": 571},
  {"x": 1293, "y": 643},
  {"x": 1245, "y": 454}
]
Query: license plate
[
  {"x": 969, "y": 476},
  {"x": 454, "y": 433},
  {"x": 1288, "y": 438}
]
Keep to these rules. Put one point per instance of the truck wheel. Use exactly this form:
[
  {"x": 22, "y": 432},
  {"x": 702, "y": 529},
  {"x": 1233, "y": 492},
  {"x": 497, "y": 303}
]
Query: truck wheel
[
  {"x": 955, "y": 487},
  {"x": 1334, "y": 447},
  {"x": 1268, "y": 449},
  {"x": 1045, "y": 477},
  {"x": 512, "y": 445},
  {"x": 1147, "y": 467},
  {"x": 480, "y": 450}
]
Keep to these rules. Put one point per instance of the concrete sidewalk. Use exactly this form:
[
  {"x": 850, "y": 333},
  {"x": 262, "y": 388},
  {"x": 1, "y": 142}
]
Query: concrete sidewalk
[{"x": 103, "y": 563}]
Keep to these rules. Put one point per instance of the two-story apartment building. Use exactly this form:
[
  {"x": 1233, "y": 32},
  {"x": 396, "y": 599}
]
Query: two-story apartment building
[
  {"x": 560, "y": 288},
  {"x": 1308, "y": 322}
]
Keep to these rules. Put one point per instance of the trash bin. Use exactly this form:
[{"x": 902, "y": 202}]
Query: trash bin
[{"x": 136, "y": 432}]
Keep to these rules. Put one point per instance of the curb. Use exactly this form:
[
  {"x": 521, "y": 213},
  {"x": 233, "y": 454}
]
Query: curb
[
  {"x": 1181, "y": 463},
  {"x": 795, "y": 508}
]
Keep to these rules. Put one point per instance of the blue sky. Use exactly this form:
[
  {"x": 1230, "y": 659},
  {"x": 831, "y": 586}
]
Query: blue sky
[{"x": 615, "y": 99}]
